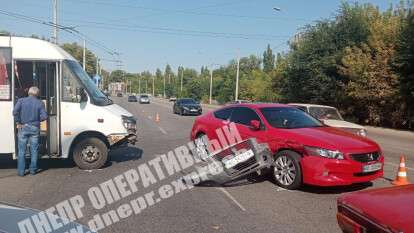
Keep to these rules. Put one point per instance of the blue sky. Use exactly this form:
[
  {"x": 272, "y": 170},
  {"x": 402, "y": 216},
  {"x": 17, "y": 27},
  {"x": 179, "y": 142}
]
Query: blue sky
[{"x": 152, "y": 33}]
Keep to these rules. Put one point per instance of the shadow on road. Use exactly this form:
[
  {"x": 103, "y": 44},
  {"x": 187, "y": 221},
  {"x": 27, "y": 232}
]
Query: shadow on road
[
  {"x": 246, "y": 180},
  {"x": 119, "y": 155},
  {"x": 255, "y": 178},
  {"x": 124, "y": 154},
  {"x": 336, "y": 189}
]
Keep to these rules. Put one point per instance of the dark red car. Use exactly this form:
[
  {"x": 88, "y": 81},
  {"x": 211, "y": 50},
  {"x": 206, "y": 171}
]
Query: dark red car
[
  {"x": 305, "y": 150},
  {"x": 377, "y": 210}
]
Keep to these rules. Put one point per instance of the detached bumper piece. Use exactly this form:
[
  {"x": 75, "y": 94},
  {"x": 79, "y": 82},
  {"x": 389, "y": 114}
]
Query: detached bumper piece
[{"x": 237, "y": 160}]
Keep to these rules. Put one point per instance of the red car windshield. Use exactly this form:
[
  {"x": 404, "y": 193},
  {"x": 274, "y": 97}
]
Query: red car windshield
[{"x": 289, "y": 118}]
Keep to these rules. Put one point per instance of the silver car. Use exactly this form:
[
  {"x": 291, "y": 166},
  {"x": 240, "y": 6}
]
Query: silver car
[{"x": 330, "y": 116}]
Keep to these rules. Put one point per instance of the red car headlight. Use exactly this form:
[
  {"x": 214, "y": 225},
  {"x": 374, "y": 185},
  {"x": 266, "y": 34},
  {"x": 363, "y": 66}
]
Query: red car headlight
[{"x": 330, "y": 154}]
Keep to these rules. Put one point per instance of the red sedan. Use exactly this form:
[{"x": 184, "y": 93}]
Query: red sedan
[
  {"x": 377, "y": 210},
  {"x": 305, "y": 150}
]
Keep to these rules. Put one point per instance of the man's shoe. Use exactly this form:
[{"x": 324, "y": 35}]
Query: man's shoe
[
  {"x": 21, "y": 175},
  {"x": 32, "y": 173}
]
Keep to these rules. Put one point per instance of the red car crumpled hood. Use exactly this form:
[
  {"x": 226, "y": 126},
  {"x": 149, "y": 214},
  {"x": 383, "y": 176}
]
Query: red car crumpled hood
[{"x": 328, "y": 138}]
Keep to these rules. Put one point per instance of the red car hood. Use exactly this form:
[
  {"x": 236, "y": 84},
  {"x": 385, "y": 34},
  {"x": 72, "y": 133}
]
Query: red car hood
[
  {"x": 330, "y": 138},
  {"x": 391, "y": 207}
]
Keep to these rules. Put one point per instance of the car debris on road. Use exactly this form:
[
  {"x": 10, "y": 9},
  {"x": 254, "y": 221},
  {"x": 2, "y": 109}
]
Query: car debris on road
[{"x": 237, "y": 160}]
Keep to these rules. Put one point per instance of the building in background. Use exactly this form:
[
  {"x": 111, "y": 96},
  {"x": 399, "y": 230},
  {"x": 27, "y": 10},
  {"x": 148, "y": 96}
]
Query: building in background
[{"x": 117, "y": 87}]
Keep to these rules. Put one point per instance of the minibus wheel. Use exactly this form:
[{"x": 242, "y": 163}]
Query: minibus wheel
[{"x": 90, "y": 153}]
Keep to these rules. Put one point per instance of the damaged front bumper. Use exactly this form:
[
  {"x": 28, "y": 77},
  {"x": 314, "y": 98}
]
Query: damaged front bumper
[
  {"x": 237, "y": 161},
  {"x": 116, "y": 140}
]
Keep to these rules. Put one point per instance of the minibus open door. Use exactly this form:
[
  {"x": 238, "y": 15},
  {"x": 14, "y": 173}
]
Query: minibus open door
[
  {"x": 48, "y": 72},
  {"x": 44, "y": 75}
]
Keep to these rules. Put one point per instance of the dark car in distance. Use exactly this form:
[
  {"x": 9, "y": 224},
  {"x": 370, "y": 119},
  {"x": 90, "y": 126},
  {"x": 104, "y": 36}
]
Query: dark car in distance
[
  {"x": 132, "y": 98},
  {"x": 119, "y": 94},
  {"x": 187, "y": 106}
]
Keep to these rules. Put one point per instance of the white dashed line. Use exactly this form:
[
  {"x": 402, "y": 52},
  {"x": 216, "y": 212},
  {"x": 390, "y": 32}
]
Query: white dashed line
[
  {"x": 162, "y": 130},
  {"x": 232, "y": 198}
]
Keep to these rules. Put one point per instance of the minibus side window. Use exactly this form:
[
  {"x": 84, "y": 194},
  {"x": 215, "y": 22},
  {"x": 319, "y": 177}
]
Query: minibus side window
[
  {"x": 5, "y": 73},
  {"x": 69, "y": 85}
]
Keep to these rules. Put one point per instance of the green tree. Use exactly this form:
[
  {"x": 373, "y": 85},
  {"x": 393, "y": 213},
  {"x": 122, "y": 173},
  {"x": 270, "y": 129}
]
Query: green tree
[
  {"x": 268, "y": 60},
  {"x": 405, "y": 64},
  {"x": 159, "y": 82},
  {"x": 77, "y": 52}
]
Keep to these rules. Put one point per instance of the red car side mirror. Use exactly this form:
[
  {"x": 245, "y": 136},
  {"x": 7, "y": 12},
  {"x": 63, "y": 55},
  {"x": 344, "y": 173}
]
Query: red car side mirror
[{"x": 255, "y": 124}]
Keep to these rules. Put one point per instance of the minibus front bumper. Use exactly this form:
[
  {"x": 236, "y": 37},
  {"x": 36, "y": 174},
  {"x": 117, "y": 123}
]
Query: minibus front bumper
[
  {"x": 130, "y": 136},
  {"x": 116, "y": 140}
]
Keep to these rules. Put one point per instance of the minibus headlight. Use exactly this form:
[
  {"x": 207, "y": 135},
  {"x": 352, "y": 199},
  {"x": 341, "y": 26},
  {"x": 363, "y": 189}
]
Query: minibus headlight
[
  {"x": 330, "y": 154},
  {"x": 129, "y": 122}
]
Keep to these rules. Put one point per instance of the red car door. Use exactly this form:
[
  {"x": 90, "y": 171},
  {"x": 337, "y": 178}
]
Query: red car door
[
  {"x": 215, "y": 123},
  {"x": 242, "y": 116}
]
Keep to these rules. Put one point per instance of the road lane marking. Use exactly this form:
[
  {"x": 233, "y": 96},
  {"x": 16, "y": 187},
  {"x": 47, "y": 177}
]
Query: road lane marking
[
  {"x": 280, "y": 189},
  {"x": 162, "y": 130},
  {"x": 397, "y": 165},
  {"x": 232, "y": 198}
]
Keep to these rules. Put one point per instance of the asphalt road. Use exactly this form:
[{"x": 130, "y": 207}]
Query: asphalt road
[{"x": 253, "y": 205}]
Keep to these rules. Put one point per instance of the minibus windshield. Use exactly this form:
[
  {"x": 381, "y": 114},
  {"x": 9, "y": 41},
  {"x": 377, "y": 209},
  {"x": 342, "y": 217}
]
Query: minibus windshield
[{"x": 96, "y": 95}]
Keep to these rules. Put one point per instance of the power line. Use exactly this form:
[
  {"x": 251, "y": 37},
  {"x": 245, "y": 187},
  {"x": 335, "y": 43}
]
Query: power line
[
  {"x": 188, "y": 12},
  {"x": 174, "y": 30},
  {"x": 191, "y": 9},
  {"x": 183, "y": 33},
  {"x": 71, "y": 30}
]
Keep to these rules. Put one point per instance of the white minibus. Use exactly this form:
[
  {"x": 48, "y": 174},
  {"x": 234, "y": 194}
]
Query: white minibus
[{"x": 83, "y": 123}]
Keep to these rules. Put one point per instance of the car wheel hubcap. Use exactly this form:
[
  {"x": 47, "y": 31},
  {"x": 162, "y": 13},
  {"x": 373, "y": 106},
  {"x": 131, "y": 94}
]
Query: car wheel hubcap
[
  {"x": 90, "y": 153},
  {"x": 284, "y": 170}
]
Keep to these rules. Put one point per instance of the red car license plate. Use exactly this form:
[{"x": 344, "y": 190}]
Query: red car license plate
[{"x": 372, "y": 167}]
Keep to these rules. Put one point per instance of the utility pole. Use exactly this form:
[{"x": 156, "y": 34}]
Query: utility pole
[
  {"x": 84, "y": 53},
  {"x": 236, "y": 97},
  {"x": 139, "y": 85},
  {"x": 146, "y": 86},
  {"x": 181, "y": 81},
  {"x": 97, "y": 65},
  {"x": 125, "y": 81},
  {"x": 55, "y": 21},
  {"x": 164, "y": 86},
  {"x": 153, "y": 86},
  {"x": 211, "y": 85}
]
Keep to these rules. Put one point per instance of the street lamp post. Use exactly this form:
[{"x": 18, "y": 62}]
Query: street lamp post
[
  {"x": 211, "y": 82},
  {"x": 211, "y": 86},
  {"x": 84, "y": 55},
  {"x": 181, "y": 80},
  {"x": 153, "y": 86},
  {"x": 236, "y": 97},
  {"x": 164, "y": 86},
  {"x": 139, "y": 85}
]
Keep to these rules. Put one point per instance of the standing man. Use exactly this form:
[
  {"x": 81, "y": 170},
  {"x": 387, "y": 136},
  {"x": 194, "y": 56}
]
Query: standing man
[{"x": 28, "y": 113}]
